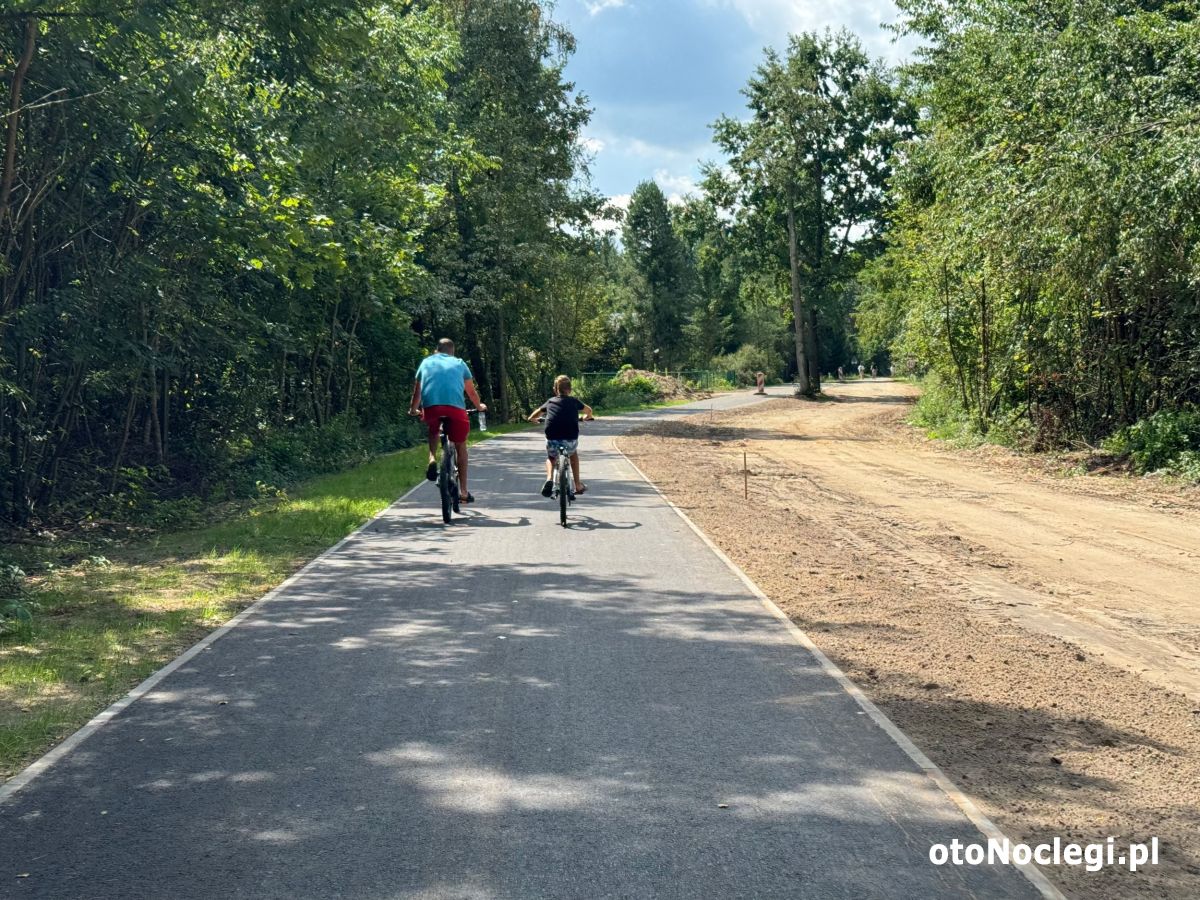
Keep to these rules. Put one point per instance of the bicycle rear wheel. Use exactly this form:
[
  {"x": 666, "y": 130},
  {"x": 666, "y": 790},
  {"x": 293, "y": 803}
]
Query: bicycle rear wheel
[
  {"x": 447, "y": 483},
  {"x": 564, "y": 488},
  {"x": 447, "y": 501}
]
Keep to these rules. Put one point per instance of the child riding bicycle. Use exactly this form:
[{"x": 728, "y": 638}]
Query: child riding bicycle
[{"x": 562, "y": 431}]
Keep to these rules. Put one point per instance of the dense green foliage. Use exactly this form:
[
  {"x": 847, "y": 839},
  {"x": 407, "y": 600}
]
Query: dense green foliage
[
  {"x": 1166, "y": 440},
  {"x": 1042, "y": 256},
  {"x": 228, "y": 232}
]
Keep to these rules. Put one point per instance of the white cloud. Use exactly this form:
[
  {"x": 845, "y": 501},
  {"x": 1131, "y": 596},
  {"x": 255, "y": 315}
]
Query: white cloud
[
  {"x": 620, "y": 201},
  {"x": 595, "y": 7},
  {"x": 676, "y": 187},
  {"x": 662, "y": 154},
  {"x": 592, "y": 145},
  {"x": 609, "y": 226},
  {"x": 774, "y": 20}
]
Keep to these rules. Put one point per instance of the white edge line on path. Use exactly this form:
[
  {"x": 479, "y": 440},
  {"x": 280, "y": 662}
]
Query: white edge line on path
[
  {"x": 44, "y": 762},
  {"x": 986, "y": 826}
]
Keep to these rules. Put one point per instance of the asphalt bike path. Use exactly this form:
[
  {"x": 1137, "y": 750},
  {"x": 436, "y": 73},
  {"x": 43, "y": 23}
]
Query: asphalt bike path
[{"x": 499, "y": 708}]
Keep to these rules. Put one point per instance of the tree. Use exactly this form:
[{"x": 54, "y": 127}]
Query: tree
[
  {"x": 658, "y": 257},
  {"x": 1043, "y": 259},
  {"x": 507, "y": 229},
  {"x": 711, "y": 328},
  {"x": 814, "y": 158},
  {"x": 195, "y": 258}
]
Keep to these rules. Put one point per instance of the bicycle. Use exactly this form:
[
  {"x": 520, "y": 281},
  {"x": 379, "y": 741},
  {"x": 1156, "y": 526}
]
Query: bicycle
[
  {"x": 447, "y": 476},
  {"x": 564, "y": 490}
]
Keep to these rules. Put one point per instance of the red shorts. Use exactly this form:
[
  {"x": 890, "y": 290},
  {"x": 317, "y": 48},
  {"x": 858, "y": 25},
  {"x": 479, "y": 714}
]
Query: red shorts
[{"x": 458, "y": 426}]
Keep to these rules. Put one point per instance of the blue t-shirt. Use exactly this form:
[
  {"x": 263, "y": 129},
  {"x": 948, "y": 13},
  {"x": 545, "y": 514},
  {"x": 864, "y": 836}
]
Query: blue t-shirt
[{"x": 442, "y": 378}]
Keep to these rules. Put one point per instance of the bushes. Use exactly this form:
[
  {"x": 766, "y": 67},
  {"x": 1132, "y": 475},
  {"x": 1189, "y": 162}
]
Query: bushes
[
  {"x": 1167, "y": 441},
  {"x": 154, "y": 497},
  {"x": 747, "y": 360},
  {"x": 284, "y": 457},
  {"x": 612, "y": 394},
  {"x": 1186, "y": 465},
  {"x": 940, "y": 413},
  {"x": 639, "y": 385},
  {"x": 615, "y": 398},
  {"x": 16, "y": 619},
  {"x": 629, "y": 387}
]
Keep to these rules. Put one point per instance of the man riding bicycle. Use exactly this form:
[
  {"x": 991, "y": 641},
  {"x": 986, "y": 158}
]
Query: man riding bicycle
[{"x": 438, "y": 391}]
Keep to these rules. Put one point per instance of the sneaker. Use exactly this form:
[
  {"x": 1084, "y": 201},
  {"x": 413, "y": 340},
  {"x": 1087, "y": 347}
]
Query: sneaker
[
  {"x": 470, "y": 498},
  {"x": 431, "y": 471},
  {"x": 547, "y": 488}
]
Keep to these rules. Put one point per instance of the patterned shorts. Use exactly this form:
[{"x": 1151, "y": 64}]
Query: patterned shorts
[{"x": 554, "y": 447}]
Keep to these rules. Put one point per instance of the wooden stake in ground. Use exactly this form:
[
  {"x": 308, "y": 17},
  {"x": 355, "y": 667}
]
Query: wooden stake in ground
[{"x": 745, "y": 476}]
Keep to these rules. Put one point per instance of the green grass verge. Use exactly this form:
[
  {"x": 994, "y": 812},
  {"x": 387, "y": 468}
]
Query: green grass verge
[{"x": 107, "y": 613}]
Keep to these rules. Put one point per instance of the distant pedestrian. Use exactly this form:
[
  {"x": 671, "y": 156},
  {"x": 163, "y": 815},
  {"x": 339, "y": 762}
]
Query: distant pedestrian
[
  {"x": 862, "y": 370},
  {"x": 760, "y": 381},
  {"x": 841, "y": 374},
  {"x": 874, "y": 371}
]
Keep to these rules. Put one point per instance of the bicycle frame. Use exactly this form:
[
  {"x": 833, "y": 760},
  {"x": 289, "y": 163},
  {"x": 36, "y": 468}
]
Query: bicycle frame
[{"x": 563, "y": 490}]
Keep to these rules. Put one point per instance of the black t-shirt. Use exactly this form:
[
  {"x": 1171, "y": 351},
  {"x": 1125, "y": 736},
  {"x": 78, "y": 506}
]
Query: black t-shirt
[{"x": 562, "y": 418}]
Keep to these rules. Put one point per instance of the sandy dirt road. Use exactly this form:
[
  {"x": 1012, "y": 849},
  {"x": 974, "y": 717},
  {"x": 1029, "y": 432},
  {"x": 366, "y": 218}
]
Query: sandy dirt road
[
  {"x": 1037, "y": 635},
  {"x": 1115, "y": 571}
]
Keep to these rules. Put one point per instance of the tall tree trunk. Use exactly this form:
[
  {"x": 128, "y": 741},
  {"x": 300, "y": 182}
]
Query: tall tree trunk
[
  {"x": 474, "y": 326},
  {"x": 283, "y": 369},
  {"x": 800, "y": 313},
  {"x": 501, "y": 364},
  {"x": 20, "y": 508},
  {"x": 350, "y": 361},
  {"x": 166, "y": 418},
  {"x": 156, "y": 423},
  {"x": 327, "y": 399},
  {"x": 313, "y": 394},
  {"x": 958, "y": 366},
  {"x": 812, "y": 350},
  {"x": 133, "y": 395},
  {"x": 14, "y": 117},
  {"x": 985, "y": 357}
]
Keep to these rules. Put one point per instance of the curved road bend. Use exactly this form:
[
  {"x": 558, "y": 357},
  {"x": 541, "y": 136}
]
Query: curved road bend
[{"x": 498, "y": 709}]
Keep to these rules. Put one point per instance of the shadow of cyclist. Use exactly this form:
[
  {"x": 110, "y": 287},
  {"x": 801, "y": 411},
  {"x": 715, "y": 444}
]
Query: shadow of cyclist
[
  {"x": 477, "y": 519},
  {"x": 587, "y": 523}
]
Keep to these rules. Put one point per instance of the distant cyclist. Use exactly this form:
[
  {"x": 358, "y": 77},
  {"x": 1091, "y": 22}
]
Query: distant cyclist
[{"x": 441, "y": 381}]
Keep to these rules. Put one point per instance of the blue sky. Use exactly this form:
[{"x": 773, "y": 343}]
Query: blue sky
[{"x": 659, "y": 72}]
